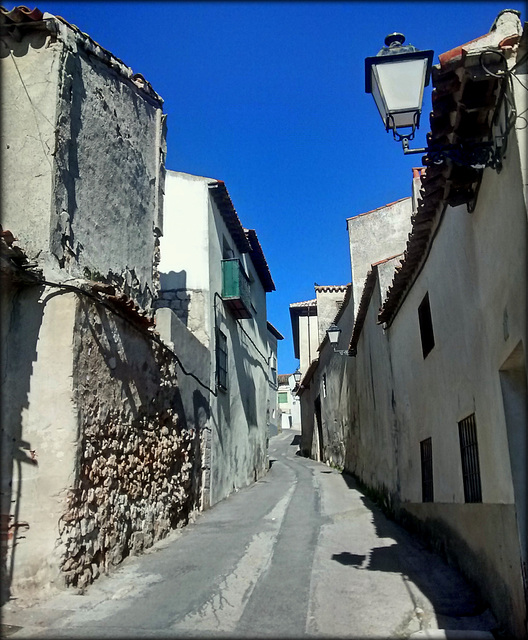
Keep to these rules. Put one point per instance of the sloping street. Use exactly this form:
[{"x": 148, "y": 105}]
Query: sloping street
[{"x": 301, "y": 552}]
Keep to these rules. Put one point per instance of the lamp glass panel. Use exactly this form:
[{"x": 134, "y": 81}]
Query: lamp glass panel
[
  {"x": 402, "y": 83},
  {"x": 333, "y": 335},
  {"x": 397, "y": 88}
]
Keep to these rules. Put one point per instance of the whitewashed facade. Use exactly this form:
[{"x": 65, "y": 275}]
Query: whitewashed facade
[
  {"x": 428, "y": 410},
  {"x": 205, "y": 254}
]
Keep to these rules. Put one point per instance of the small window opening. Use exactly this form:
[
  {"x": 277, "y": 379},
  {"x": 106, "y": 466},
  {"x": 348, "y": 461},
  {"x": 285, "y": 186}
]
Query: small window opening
[
  {"x": 426, "y": 454},
  {"x": 467, "y": 431},
  {"x": 426, "y": 326},
  {"x": 221, "y": 360}
]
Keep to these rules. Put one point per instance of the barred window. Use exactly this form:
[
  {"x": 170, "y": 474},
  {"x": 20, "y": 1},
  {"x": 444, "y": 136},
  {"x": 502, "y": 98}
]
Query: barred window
[
  {"x": 426, "y": 454},
  {"x": 221, "y": 360},
  {"x": 467, "y": 431}
]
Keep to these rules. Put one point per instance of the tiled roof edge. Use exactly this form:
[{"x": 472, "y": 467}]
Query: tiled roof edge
[
  {"x": 275, "y": 332},
  {"x": 259, "y": 260},
  {"x": 385, "y": 206},
  {"x": 338, "y": 288},
  {"x": 224, "y": 203},
  {"x": 368, "y": 289},
  {"x": 21, "y": 17}
]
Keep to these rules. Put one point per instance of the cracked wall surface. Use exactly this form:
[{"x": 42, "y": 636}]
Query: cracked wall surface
[{"x": 83, "y": 149}]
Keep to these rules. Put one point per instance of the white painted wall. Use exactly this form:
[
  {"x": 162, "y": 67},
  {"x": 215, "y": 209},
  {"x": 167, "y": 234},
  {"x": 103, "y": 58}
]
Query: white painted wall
[
  {"x": 388, "y": 398},
  {"x": 308, "y": 340},
  {"x": 191, "y": 258}
]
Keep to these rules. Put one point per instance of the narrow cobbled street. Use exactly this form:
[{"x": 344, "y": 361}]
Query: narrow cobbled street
[{"x": 301, "y": 552}]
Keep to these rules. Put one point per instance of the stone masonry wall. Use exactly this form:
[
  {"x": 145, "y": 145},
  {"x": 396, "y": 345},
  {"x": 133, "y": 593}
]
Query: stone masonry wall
[{"x": 138, "y": 473}]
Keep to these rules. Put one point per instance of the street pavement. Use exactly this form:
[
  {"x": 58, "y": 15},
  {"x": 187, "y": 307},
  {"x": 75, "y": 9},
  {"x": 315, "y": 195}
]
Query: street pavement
[{"x": 302, "y": 552}]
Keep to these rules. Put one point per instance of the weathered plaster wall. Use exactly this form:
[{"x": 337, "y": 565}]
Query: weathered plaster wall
[
  {"x": 272, "y": 404},
  {"x": 191, "y": 282},
  {"x": 97, "y": 463},
  {"x": 109, "y": 176},
  {"x": 373, "y": 444},
  {"x": 377, "y": 235},
  {"x": 28, "y": 103},
  {"x": 39, "y": 434},
  {"x": 308, "y": 340},
  {"x": 475, "y": 276},
  {"x": 328, "y": 304},
  {"x": 337, "y": 392},
  {"x": 476, "y": 280},
  {"x": 83, "y": 148},
  {"x": 195, "y": 386}
]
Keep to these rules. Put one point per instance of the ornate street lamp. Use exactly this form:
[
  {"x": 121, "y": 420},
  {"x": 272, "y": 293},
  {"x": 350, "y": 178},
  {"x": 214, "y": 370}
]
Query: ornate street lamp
[
  {"x": 333, "y": 332},
  {"x": 396, "y": 78},
  {"x": 297, "y": 375}
]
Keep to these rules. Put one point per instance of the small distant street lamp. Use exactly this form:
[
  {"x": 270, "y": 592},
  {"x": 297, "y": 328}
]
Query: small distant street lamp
[
  {"x": 297, "y": 376},
  {"x": 333, "y": 332},
  {"x": 396, "y": 78}
]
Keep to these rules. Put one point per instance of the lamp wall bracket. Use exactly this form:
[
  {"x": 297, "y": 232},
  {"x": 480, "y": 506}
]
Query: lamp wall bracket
[{"x": 472, "y": 154}]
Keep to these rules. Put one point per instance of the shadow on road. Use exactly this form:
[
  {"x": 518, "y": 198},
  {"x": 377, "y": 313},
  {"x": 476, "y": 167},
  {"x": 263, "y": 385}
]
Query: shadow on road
[
  {"x": 296, "y": 441},
  {"x": 449, "y": 593}
]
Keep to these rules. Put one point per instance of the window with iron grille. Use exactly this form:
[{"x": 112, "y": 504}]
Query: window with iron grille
[
  {"x": 221, "y": 360},
  {"x": 426, "y": 454},
  {"x": 467, "y": 431},
  {"x": 426, "y": 326}
]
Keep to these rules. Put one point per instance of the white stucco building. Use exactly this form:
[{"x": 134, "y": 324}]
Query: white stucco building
[
  {"x": 289, "y": 404},
  {"x": 214, "y": 278},
  {"x": 428, "y": 409}
]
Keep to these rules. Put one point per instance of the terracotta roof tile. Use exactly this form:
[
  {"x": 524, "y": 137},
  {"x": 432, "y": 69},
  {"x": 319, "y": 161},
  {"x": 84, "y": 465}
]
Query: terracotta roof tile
[
  {"x": 223, "y": 201},
  {"x": 338, "y": 288},
  {"x": 20, "y": 16},
  {"x": 259, "y": 260},
  {"x": 306, "y": 303}
]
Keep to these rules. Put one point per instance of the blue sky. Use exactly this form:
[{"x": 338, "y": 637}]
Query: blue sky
[{"x": 269, "y": 97}]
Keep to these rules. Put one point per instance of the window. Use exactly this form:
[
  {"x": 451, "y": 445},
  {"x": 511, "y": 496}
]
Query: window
[
  {"x": 426, "y": 326},
  {"x": 283, "y": 397},
  {"x": 273, "y": 369},
  {"x": 467, "y": 431},
  {"x": 426, "y": 454},
  {"x": 221, "y": 360},
  {"x": 324, "y": 385}
]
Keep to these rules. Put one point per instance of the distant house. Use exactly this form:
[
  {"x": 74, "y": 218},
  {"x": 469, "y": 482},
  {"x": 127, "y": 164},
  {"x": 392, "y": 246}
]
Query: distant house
[
  {"x": 214, "y": 279},
  {"x": 428, "y": 409},
  {"x": 289, "y": 405}
]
